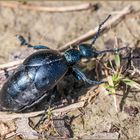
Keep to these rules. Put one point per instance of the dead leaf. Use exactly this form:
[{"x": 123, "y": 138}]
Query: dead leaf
[
  {"x": 25, "y": 130},
  {"x": 6, "y": 128}
]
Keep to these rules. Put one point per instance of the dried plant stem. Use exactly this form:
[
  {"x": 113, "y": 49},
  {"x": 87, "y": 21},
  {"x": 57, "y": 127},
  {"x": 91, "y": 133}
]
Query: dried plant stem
[
  {"x": 34, "y": 7},
  {"x": 9, "y": 116},
  {"x": 115, "y": 102},
  {"x": 10, "y": 64},
  {"x": 110, "y": 23}
]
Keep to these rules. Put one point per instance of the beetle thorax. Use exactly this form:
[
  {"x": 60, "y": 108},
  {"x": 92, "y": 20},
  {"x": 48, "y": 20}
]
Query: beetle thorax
[{"x": 72, "y": 56}]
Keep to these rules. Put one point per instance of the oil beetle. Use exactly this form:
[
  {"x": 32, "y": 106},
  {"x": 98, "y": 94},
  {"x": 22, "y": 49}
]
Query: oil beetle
[{"x": 39, "y": 74}]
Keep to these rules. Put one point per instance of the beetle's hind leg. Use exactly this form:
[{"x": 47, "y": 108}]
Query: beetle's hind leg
[
  {"x": 81, "y": 76},
  {"x": 23, "y": 41}
]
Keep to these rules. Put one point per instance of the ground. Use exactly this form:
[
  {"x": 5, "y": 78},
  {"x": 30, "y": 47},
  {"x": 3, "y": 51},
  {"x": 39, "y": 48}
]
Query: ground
[{"x": 55, "y": 30}]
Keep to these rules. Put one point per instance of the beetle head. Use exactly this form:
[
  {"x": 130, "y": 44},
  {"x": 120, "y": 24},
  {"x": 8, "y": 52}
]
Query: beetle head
[
  {"x": 87, "y": 51},
  {"x": 73, "y": 55}
]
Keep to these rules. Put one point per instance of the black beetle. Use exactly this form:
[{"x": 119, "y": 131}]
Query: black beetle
[{"x": 39, "y": 74}]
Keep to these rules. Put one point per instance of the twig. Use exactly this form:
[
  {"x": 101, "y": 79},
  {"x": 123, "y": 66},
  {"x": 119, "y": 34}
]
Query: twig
[
  {"x": 127, "y": 10},
  {"x": 130, "y": 31},
  {"x": 110, "y": 23},
  {"x": 11, "y": 116},
  {"x": 17, "y": 5},
  {"x": 10, "y": 64}
]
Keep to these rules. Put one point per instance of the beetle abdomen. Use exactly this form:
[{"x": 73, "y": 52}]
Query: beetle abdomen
[
  {"x": 17, "y": 91},
  {"x": 38, "y": 74}
]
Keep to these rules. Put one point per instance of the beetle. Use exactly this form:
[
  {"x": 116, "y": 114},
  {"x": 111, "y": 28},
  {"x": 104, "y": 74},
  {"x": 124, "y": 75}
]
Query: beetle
[{"x": 40, "y": 72}]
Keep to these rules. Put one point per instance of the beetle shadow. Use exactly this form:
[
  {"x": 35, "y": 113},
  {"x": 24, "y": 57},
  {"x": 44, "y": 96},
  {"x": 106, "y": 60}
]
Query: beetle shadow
[
  {"x": 69, "y": 89},
  {"x": 74, "y": 88}
]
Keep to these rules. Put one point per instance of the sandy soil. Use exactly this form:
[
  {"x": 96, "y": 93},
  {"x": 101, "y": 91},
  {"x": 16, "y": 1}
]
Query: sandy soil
[{"x": 55, "y": 30}]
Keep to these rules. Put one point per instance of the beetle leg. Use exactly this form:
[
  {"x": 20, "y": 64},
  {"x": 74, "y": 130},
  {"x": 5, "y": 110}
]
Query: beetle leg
[
  {"x": 80, "y": 75},
  {"x": 37, "y": 47},
  {"x": 6, "y": 73},
  {"x": 23, "y": 41}
]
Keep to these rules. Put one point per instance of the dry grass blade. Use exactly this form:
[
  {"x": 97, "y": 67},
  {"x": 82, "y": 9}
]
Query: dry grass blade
[
  {"x": 10, "y": 116},
  {"x": 131, "y": 83},
  {"x": 10, "y": 64},
  {"x": 112, "y": 22},
  {"x": 115, "y": 19},
  {"x": 24, "y": 129},
  {"x": 16, "y": 5}
]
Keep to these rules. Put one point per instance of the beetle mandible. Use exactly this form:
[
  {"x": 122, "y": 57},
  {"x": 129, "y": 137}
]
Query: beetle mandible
[{"x": 39, "y": 74}]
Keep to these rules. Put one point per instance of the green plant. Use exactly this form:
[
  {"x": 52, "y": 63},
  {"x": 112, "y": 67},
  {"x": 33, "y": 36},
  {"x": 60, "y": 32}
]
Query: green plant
[{"x": 116, "y": 77}]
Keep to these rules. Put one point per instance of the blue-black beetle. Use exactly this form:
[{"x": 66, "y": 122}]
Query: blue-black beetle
[{"x": 39, "y": 74}]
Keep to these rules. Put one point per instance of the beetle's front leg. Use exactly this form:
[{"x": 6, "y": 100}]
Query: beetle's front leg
[
  {"x": 23, "y": 41},
  {"x": 80, "y": 75}
]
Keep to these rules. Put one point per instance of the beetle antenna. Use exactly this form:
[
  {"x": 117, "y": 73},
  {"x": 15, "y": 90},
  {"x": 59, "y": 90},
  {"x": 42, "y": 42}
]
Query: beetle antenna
[{"x": 99, "y": 30}]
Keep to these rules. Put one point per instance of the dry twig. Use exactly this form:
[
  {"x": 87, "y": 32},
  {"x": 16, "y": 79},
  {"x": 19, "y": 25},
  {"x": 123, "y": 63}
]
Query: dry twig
[
  {"x": 9, "y": 116},
  {"x": 17, "y": 5},
  {"x": 9, "y": 66},
  {"x": 114, "y": 21},
  {"x": 110, "y": 23}
]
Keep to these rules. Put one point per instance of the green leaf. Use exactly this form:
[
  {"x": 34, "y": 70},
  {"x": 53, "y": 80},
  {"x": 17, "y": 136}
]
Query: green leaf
[
  {"x": 109, "y": 92},
  {"x": 116, "y": 78},
  {"x": 109, "y": 87},
  {"x": 131, "y": 83},
  {"x": 117, "y": 60}
]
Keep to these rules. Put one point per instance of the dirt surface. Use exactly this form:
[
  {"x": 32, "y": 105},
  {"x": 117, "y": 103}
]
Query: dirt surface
[{"x": 55, "y": 30}]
